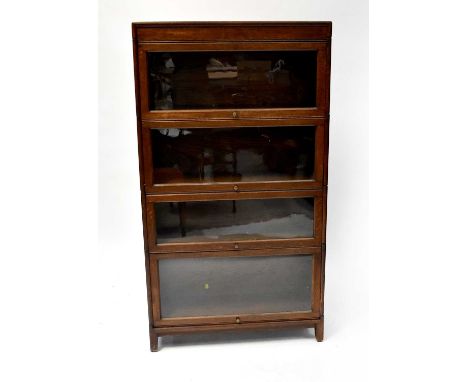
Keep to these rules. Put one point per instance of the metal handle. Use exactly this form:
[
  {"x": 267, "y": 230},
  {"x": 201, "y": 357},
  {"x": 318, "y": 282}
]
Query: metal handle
[
  {"x": 236, "y": 188},
  {"x": 237, "y": 320},
  {"x": 234, "y": 114}
]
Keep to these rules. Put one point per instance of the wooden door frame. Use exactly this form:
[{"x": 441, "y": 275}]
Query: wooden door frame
[
  {"x": 316, "y": 295},
  {"x": 322, "y": 96},
  {"x": 239, "y": 245},
  {"x": 319, "y": 124}
]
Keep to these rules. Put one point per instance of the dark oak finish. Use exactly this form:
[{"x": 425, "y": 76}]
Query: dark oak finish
[{"x": 245, "y": 182}]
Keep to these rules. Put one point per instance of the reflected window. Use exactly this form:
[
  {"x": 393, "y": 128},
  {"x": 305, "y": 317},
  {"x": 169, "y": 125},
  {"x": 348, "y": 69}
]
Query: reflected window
[{"x": 178, "y": 222}]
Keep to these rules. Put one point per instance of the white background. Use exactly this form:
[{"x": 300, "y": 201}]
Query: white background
[{"x": 73, "y": 302}]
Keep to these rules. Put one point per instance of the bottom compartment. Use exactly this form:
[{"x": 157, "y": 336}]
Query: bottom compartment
[{"x": 209, "y": 288}]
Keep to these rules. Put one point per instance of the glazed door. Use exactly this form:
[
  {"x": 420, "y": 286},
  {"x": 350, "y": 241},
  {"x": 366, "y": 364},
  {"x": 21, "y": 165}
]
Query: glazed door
[
  {"x": 239, "y": 80},
  {"x": 233, "y": 221},
  {"x": 183, "y": 157},
  {"x": 210, "y": 287}
]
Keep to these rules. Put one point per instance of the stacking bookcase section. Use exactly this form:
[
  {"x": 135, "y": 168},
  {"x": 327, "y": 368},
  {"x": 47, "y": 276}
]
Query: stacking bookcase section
[
  {"x": 236, "y": 288},
  {"x": 241, "y": 156},
  {"x": 234, "y": 220},
  {"x": 222, "y": 79},
  {"x": 233, "y": 150}
]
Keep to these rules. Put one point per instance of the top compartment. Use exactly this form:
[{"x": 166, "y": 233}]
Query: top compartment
[{"x": 253, "y": 71}]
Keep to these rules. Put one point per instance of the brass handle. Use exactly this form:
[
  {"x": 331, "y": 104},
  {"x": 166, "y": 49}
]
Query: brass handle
[
  {"x": 234, "y": 114},
  {"x": 236, "y": 246},
  {"x": 236, "y": 188},
  {"x": 237, "y": 320}
]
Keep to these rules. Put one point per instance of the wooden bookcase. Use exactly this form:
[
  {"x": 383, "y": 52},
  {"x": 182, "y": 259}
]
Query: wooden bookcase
[{"x": 233, "y": 147}]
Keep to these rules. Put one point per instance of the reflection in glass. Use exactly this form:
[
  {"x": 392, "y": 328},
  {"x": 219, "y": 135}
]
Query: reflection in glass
[
  {"x": 178, "y": 222},
  {"x": 235, "y": 285},
  {"x": 233, "y": 154},
  {"x": 204, "y": 80}
]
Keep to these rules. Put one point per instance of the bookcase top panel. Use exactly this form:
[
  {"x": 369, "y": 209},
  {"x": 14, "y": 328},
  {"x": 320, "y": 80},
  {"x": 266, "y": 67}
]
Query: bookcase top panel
[{"x": 232, "y": 31}]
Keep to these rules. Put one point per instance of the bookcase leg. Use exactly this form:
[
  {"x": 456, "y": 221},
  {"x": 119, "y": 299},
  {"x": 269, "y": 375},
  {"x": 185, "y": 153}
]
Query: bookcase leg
[
  {"x": 153, "y": 341},
  {"x": 319, "y": 331}
]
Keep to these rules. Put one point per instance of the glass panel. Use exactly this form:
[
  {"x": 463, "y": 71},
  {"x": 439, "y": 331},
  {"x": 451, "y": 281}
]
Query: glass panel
[
  {"x": 209, "y": 80},
  {"x": 236, "y": 285},
  {"x": 233, "y": 154},
  {"x": 217, "y": 220}
]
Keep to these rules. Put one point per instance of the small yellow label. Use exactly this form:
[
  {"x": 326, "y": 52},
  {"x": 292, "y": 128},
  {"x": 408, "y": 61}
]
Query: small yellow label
[{"x": 206, "y": 286}]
